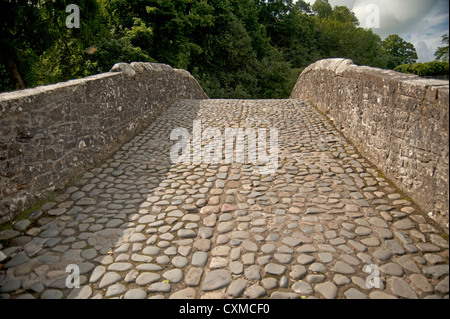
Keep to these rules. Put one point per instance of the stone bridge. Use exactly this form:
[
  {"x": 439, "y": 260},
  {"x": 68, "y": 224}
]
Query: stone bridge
[{"x": 95, "y": 206}]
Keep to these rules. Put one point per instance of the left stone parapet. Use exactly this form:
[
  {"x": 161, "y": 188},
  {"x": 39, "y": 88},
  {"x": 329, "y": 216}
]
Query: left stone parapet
[{"x": 52, "y": 133}]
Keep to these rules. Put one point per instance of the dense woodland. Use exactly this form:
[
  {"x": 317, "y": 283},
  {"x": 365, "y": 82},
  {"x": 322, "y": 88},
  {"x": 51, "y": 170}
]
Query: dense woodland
[{"x": 235, "y": 48}]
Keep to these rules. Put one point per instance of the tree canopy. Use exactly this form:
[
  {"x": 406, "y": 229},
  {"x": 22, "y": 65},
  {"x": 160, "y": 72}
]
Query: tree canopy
[
  {"x": 399, "y": 51},
  {"x": 235, "y": 48},
  {"x": 443, "y": 52}
]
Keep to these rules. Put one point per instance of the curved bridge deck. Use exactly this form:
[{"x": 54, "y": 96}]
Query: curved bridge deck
[{"x": 325, "y": 224}]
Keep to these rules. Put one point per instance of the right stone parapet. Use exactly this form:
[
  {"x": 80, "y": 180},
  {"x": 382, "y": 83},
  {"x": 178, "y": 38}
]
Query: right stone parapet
[{"x": 399, "y": 122}]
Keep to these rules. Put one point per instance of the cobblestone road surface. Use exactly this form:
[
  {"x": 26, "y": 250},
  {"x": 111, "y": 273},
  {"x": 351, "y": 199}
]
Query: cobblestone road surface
[{"x": 138, "y": 226}]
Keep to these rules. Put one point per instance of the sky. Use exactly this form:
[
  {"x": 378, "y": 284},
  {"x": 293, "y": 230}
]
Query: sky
[{"x": 421, "y": 22}]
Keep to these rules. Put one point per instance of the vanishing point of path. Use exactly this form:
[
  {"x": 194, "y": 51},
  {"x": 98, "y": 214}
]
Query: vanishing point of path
[{"x": 138, "y": 226}]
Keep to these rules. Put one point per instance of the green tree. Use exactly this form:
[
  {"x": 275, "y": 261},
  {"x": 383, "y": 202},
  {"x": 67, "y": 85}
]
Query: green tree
[
  {"x": 292, "y": 32},
  {"x": 339, "y": 37},
  {"x": 322, "y": 8},
  {"x": 343, "y": 14},
  {"x": 303, "y": 7},
  {"x": 443, "y": 52},
  {"x": 34, "y": 32},
  {"x": 398, "y": 51},
  {"x": 21, "y": 42},
  {"x": 433, "y": 68},
  {"x": 235, "y": 48}
]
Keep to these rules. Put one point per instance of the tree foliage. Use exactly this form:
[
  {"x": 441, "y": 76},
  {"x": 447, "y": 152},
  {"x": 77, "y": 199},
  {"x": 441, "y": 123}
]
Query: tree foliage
[
  {"x": 399, "y": 51},
  {"x": 443, "y": 52},
  {"x": 235, "y": 48},
  {"x": 433, "y": 68}
]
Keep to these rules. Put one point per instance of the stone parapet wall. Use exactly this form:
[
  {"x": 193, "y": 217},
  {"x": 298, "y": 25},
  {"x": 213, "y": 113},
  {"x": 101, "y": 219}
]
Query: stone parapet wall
[
  {"x": 50, "y": 134},
  {"x": 399, "y": 122}
]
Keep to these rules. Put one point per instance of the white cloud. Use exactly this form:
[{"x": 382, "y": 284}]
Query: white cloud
[{"x": 421, "y": 22}]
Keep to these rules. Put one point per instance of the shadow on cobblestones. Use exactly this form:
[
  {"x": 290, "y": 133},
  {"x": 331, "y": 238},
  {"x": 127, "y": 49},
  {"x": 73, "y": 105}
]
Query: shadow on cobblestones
[{"x": 141, "y": 227}]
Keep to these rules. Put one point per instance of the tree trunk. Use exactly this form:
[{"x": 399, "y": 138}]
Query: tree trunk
[{"x": 14, "y": 73}]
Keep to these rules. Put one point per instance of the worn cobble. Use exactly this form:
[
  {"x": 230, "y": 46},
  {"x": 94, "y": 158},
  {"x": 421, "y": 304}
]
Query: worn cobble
[{"x": 326, "y": 224}]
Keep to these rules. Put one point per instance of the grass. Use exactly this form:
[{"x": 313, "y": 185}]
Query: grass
[{"x": 26, "y": 213}]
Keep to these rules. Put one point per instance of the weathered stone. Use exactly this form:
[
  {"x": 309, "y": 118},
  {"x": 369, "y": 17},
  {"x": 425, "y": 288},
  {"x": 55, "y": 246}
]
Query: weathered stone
[
  {"x": 115, "y": 290},
  {"x": 255, "y": 291},
  {"x": 427, "y": 247},
  {"x": 97, "y": 274},
  {"x": 436, "y": 271},
  {"x": 325, "y": 257},
  {"x": 52, "y": 294},
  {"x": 147, "y": 277},
  {"x": 404, "y": 224},
  {"x": 442, "y": 286},
  {"x": 298, "y": 272},
  {"x": 180, "y": 261},
  {"x": 216, "y": 279},
  {"x": 193, "y": 276},
  {"x": 174, "y": 275},
  {"x": 383, "y": 254},
  {"x": 225, "y": 227},
  {"x": 284, "y": 295},
  {"x": 84, "y": 292},
  {"x": 408, "y": 264},
  {"x": 275, "y": 269},
  {"x": 187, "y": 293},
  {"x": 328, "y": 290},
  {"x": 10, "y": 286},
  {"x": 302, "y": 288},
  {"x": 318, "y": 268},
  {"x": 199, "y": 259},
  {"x": 395, "y": 247},
  {"x": 402, "y": 289},
  {"x": 228, "y": 208},
  {"x": 341, "y": 280},
  {"x": 343, "y": 268},
  {"x": 253, "y": 273},
  {"x": 305, "y": 259},
  {"x": 381, "y": 295},
  {"x": 291, "y": 241},
  {"x": 363, "y": 231},
  {"x": 421, "y": 283},
  {"x": 159, "y": 287},
  {"x": 237, "y": 287},
  {"x": 136, "y": 293},
  {"x": 439, "y": 241},
  {"x": 119, "y": 266},
  {"x": 314, "y": 210},
  {"x": 137, "y": 238},
  {"x": 17, "y": 260},
  {"x": 392, "y": 269},
  {"x": 109, "y": 278},
  {"x": 22, "y": 225}
]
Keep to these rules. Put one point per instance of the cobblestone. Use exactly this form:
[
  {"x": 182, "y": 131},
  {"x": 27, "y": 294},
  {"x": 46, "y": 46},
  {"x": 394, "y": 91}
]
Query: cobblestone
[{"x": 139, "y": 226}]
